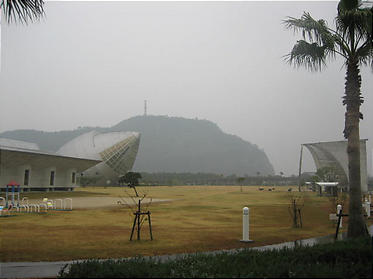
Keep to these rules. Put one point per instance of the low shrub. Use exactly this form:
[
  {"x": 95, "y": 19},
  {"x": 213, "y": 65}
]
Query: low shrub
[{"x": 344, "y": 259}]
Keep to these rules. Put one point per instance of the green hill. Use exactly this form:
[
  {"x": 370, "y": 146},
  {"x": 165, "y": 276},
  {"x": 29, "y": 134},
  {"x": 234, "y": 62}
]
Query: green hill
[{"x": 172, "y": 144}]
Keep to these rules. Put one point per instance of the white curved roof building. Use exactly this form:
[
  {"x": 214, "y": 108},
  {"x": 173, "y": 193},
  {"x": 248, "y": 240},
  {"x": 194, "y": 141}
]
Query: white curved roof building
[
  {"x": 33, "y": 169},
  {"x": 18, "y": 144},
  {"x": 117, "y": 150}
]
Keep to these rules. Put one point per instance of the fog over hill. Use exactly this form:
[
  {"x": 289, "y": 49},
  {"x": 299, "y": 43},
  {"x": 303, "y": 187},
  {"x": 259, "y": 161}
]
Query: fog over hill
[{"x": 172, "y": 144}]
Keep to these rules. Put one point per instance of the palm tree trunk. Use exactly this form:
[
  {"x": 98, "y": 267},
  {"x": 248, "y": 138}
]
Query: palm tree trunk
[{"x": 353, "y": 100}]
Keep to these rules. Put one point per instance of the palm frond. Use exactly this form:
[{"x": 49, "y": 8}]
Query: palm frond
[
  {"x": 22, "y": 10},
  {"x": 314, "y": 31},
  {"x": 365, "y": 54},
  {"x": 310, "y": 55},
  {"x": 355, "y": 24},
  {"x": 348, "y": 5},
  {"x": 341, "y": 46}
]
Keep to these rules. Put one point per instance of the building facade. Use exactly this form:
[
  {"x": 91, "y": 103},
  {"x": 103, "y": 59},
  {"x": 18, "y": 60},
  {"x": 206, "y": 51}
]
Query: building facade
[
  {"x": 97, "y": 158},
  {"x": 34, "y": 169}
]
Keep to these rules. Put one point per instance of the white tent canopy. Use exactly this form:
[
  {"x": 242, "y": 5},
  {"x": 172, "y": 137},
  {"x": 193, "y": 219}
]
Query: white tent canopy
[{"x": 333, "y": 155}]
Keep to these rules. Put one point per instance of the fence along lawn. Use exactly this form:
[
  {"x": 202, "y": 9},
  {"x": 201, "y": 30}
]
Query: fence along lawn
[{"x": 199, "y": 218}]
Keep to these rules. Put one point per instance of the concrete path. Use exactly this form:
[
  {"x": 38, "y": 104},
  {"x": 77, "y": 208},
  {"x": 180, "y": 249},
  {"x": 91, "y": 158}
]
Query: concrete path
[
  {"x": 98, "y": 202},
  {"x": 31, "y": 269}
]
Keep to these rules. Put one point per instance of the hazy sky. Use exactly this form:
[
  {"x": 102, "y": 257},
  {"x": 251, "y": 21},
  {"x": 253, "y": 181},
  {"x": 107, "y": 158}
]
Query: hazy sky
[{"x": 94, "y": 64}]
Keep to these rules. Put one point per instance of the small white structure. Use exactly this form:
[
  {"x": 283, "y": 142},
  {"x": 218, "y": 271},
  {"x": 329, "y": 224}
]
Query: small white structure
[
  {"x": 245, "y": 225},
  {"x": 324, "y": 184},
  {"x": 330, "y": 187}
]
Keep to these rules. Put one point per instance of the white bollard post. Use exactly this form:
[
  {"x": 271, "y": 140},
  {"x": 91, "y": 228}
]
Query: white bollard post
[
  {"x": 367, "y": 207},
  {"x": 245, "y": 225},
  {"x": 339, "y": 211}
]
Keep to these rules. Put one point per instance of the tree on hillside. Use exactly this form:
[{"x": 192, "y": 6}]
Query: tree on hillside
[
  {"x": 351, "y": 40},
  {"x": 22, "y": 10}
]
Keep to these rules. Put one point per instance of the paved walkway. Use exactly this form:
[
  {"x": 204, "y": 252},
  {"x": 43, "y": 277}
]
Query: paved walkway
[
  {"x": 31, "y": 269},
  {"x": 96, "y": 202}
]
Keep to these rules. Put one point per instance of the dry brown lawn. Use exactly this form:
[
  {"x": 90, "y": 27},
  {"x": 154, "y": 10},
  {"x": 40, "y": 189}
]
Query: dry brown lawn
[{"x": 184, "y": 219}]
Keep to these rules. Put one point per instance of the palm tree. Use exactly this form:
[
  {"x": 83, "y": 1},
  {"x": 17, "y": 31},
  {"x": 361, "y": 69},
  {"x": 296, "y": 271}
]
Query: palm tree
[
  {"x": 352, "y": 40},
  {"x": 22, "y": 10}
]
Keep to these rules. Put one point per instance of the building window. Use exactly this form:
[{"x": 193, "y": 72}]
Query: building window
[
  {"x": 73, "y": 176},
  {"x": 26, "y": 179},
  {"x": 51, "y": 180}
]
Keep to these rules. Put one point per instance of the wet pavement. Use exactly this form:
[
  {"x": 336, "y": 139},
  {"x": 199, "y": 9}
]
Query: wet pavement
[{"x": 51, "y": 269}]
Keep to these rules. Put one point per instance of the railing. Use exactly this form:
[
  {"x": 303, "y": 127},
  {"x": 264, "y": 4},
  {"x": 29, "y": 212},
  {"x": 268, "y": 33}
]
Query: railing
[
  {"x": 22, "y": 206},
  {"x": 35, "y": 206},
  {"x": 44, "y": 206}
]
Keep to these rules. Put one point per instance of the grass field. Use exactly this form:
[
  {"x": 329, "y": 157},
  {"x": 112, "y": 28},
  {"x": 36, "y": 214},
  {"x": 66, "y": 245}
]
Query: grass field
[{"x": 199, "y": 218}]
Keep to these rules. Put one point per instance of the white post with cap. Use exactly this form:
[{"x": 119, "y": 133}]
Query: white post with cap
[
  {"x": 245, "y": 225},
  {"x": 366, "y": 206},
  {"x": 339, "y": 211}
]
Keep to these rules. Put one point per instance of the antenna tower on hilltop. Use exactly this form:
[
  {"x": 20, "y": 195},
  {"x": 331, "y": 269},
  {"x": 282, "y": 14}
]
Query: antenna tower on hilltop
[{"x": 145, "y": 108}]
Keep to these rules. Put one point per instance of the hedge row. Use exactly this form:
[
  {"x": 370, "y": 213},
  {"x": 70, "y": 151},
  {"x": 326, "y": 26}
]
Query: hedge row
[{"x": 345, "y": 259}]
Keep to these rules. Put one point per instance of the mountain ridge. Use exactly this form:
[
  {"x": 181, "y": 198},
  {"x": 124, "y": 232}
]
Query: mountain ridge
[{"x": 171, "y": 144}]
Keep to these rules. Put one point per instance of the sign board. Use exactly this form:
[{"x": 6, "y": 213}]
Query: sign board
[{"x": 333, "y": 217}]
